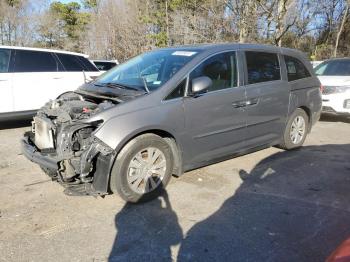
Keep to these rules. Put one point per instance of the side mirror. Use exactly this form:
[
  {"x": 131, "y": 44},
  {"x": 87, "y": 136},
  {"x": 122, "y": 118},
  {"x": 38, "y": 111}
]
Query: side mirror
[{"x": 201, "y": 84}]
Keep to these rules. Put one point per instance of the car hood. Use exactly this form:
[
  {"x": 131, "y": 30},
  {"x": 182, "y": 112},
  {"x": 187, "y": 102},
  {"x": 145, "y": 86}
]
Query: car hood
[{"x": 112, "y": 92}]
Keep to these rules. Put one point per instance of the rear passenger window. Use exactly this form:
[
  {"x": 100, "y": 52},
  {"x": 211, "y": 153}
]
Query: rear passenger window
[
  {"x": 71, "y": 63},
  {"x": 262, "y": 67},
  {"x": 34, "y": 61},
  {"x": 295, "y": 69},
  {"x": 221, "y": 69},
  {"x": 4, "y": 60}
]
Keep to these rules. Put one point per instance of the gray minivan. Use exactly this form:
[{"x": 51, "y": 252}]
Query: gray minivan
[{"x": 171, "y": 110}]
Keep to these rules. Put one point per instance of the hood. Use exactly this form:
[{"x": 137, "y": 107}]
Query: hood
[{"x": 120, "y": 93}]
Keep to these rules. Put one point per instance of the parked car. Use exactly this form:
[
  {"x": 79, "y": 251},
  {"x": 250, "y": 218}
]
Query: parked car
[
  {"x": 29, "y": 77},
  {"x": 172, "y": 110},
  {"x": 315, "y": 63},
  {"x": 334, "y": 75},
  {"x": 105, "y": 65}
]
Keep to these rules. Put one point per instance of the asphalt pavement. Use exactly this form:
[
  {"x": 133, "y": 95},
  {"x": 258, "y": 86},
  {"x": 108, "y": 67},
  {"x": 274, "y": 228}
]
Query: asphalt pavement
[{"x": 271, "y": 205}]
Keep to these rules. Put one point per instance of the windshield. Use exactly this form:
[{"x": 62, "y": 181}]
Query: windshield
[
  {"x": 148, "y": 71},
  {"x": 334, "y": 68}
]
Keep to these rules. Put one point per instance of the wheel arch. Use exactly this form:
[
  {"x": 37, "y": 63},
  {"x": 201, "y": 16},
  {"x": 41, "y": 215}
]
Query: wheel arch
[
  {"x": 308, "y": 113},
  {"x": 166, "y": 135},
  {"x": 170, "y": 139}
]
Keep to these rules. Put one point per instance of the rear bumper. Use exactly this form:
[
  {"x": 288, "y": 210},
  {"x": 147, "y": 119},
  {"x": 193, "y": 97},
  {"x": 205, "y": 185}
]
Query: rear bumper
[{"x": 33, "y": 154}]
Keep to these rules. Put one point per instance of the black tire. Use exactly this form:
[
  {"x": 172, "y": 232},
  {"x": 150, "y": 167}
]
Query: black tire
[
  {"x": 118, "y": 180},
  {"x": 287, "y": 142}
]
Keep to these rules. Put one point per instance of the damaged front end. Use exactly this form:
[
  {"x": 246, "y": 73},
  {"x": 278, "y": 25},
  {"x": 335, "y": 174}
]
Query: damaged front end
[{"x": 62, "y": 142}]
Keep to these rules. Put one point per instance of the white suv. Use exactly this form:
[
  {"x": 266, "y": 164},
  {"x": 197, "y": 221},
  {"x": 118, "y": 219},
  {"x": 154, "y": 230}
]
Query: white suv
[
  {"x": 29, "y": 77},
  {"x": 334, "y": 75},
  {"x": 105, "y": 65}
]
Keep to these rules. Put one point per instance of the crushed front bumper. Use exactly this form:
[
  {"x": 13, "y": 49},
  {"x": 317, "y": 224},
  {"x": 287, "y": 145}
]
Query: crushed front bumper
[
  {"x": 103, "y": 165},
  {"x": 33, "y": 154}
]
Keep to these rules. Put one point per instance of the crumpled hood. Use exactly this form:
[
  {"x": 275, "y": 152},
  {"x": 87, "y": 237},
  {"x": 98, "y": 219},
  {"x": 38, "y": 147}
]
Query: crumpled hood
[{"x": 123, "y": 94}]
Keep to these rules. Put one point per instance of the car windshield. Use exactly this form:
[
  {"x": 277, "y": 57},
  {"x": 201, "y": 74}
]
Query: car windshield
[
  {"x": 148, "y": 71},
  {"x": 334, "y": 68}
]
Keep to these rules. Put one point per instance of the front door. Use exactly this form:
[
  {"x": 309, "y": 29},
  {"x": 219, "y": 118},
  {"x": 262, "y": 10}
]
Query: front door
[{"x": 215, "y": 122}]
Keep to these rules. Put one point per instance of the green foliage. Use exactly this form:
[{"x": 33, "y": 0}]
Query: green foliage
[
  {"x": 13, "y": 3},
  {"x": 73, "y": 19},
  {"x": 89, "y": 4},
  {"x": 161, "y": 39}
]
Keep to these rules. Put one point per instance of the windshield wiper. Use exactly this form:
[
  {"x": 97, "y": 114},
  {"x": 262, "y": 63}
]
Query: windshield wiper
[
  {"x": 145, "y": 83},
  {"x": 91, "y": 94},
  {"x": 121, "y": 86},
  {"x": 98, "y": 85}
]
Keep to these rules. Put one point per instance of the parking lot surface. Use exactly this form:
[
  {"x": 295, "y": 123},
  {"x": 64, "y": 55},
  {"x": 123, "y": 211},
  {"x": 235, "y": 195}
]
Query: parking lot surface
[{"x": 271, "y": 205}]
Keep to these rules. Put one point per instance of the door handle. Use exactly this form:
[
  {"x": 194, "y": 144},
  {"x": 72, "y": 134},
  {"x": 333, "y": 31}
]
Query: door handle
[
  {"x": 246, "y": 103},
  {"x": 252, "y": 102},
  {"x": 239, "y": 104},
  {"x": 57, "y": 77}
]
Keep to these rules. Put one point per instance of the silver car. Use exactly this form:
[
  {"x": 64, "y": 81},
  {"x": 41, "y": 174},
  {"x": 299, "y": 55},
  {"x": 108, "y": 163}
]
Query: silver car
[{"x": 171, "y": 110}]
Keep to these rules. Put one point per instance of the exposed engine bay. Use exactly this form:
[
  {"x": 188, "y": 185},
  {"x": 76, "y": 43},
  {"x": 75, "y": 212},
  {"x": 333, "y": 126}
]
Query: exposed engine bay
[
  {"x": 72, "y": 106},
  {"x": 59, "y": 133}
]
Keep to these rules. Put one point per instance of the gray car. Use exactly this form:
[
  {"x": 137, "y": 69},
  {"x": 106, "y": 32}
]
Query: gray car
[{"x": 171, "y": 110}]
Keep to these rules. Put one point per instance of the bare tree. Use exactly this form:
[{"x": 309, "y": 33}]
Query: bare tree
[
  {"x": 285, "y": 18},
  {"x": 115, "y": 31},
  {"x": 245, "y": 18},
  {"x": 341, "y": 28}
]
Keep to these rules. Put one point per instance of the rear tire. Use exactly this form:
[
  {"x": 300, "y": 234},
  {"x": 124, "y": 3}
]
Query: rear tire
[
  {"x": 142, "y": 169},
  {"x": 296, "y": 130}
]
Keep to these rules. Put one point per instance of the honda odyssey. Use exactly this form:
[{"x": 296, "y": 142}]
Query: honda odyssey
[{"x": 171, "y": 110}]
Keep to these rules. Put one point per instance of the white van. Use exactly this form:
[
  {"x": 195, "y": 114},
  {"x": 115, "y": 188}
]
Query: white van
[{"x": 29, "y": 77}]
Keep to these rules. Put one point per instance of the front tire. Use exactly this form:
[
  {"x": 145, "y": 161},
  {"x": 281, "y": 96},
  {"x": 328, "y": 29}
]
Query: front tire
[
  {"x": 142, "y": 169},
  {"x": 296, "y": 130}
]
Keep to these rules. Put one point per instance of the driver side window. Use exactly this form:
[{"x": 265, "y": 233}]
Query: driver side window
[{"x": 220, "y": 68}]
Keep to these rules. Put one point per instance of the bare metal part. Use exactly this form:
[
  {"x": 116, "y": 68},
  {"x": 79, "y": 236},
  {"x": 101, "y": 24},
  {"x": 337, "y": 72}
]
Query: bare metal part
[{"x": 43, "y": 133}]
